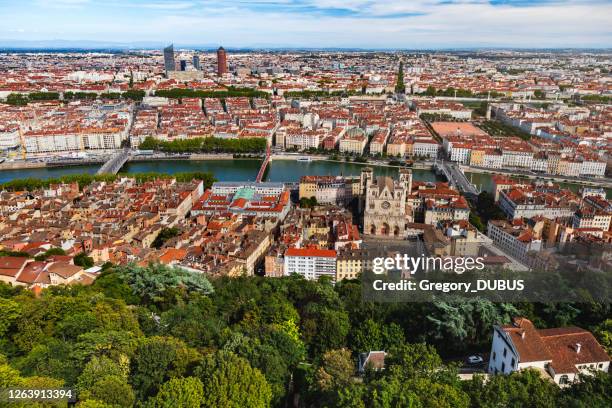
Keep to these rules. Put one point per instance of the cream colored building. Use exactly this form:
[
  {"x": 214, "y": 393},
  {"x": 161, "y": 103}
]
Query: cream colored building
[
  {"x": 354, "y": 141},
  {"x": 348, "y": 264}
]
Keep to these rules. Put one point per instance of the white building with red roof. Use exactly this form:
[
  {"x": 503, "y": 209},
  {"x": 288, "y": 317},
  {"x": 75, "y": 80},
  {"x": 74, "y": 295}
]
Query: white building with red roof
[
  {"x": 562, "y": 353},
  {"x": 311, "y": 262}
]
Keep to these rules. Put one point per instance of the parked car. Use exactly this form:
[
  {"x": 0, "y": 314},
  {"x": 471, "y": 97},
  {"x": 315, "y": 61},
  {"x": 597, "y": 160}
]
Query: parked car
[{"x": 473, "y": 360}]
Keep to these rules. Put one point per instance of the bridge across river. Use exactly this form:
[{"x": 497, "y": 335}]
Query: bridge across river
[
  {"x": 456, "y": 177},
  {"x": 115, "y": 163},
  {"x": 262, "y": 169}
]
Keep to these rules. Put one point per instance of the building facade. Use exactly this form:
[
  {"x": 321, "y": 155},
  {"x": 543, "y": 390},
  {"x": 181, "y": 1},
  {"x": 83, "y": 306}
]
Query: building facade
[
  {"x": 311, "y": 263},
  {"x": 221, "y": 61},
  {"x": 385, "y": 203},
  {"x": 169, "y": 63}
]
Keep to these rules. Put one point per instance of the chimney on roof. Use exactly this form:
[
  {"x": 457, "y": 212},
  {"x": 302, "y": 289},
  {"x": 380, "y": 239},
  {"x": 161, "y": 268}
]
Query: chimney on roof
[
  {"x": 578, "y": 347},
  {"x": 523, "y": 334}
]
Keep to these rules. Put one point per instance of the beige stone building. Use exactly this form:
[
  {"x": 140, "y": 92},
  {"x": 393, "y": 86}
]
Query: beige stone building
[
  {"x": 385, "y": 203},
  {"x": 349, "y": 264}
]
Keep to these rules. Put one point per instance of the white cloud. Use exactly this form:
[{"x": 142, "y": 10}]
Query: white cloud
[
  {"x": 367, "y": 24},
  {"x": 167, "y": 5}
]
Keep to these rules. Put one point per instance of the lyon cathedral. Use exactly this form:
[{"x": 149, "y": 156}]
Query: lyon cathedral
[{"x": 384, "y": 203}]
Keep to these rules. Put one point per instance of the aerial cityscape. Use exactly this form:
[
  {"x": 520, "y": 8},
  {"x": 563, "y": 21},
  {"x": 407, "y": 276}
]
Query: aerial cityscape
[{"x": 193, "y": 225}]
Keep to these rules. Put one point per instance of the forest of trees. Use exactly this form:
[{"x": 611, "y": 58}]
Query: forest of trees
[
  {"x": 162, "y": 337},
  {"x": 206, "y": 145}
]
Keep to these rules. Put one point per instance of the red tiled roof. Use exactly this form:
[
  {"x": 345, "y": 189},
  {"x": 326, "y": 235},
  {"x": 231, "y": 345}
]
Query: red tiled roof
[
  {"x": 313, "y": 252},
  {"x": 527, "y": 341},
  {"x": 11, "y": 265},
  {"x": 557, "y": 345},
  {"x": 63, "y": 269},
  {"x": 563, "y": 346}
]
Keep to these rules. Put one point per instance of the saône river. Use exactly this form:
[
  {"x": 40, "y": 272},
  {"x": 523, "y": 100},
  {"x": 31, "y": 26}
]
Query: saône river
[
  {"x": 246, "y": 170},
  {"x": 223, "y": 170}
]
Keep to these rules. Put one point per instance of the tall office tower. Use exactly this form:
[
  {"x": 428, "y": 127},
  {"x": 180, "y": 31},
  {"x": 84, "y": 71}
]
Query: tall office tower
[
  {"x": 169, "y": 63},
  {"x": 183, "y": 65},
  {"x": 196, "y": 62},
  {"x": 221, "y": 61}
]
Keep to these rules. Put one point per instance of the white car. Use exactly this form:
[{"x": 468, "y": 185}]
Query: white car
[{"x": 475, "y": 360}]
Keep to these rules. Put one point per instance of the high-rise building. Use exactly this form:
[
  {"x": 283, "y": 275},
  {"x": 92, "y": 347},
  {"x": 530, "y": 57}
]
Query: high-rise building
[
  {"x": 196, "y": 62},
  {"x": 169, "y": 63},
  {"x": 183, "y": 65},
  {"x": 221, "y": 61}
]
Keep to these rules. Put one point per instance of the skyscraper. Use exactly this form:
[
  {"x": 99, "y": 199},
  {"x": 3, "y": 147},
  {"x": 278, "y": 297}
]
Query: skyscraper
[
  {"x": 196, "y": 62},
  {"x": 169, "y": 63},
  {"x": 221, "y": 61}
]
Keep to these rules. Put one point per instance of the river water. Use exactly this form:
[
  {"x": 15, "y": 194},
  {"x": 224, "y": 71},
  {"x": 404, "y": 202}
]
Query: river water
[
  {"x": 246, "y": 170},
  {"x": 223, "y": 170}
]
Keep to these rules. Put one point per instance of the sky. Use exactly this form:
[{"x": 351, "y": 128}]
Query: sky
[{"x": 384, "y": 24}]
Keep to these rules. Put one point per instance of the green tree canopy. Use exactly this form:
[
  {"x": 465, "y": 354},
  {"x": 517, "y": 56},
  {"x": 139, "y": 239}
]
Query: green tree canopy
[
  {"x": 230, "y": 381},
  {"x": 179, "y": 393}
]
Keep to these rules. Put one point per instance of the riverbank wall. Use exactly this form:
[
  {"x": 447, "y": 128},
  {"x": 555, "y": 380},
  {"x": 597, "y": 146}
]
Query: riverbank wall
[
  {"x": 602, "y": 182},
  {"x": 18, "y": 165}
]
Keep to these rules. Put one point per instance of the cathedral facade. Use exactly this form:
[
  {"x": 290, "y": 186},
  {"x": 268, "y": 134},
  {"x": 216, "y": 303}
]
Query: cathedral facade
[{"x": 384, "y": 203}]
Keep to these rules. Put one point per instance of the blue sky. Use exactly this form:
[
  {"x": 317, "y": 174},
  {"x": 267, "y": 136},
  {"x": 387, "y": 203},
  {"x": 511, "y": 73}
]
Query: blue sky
[{"x": 315, "y": 23}]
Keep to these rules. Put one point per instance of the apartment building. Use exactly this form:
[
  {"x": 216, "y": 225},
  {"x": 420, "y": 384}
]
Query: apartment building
[
  {"x": 587, "y": 217},
  {"x": 335, "y": 190},
  {"x": 529, "y": 202},
  {"x": 515, "y": 238},
  {"x": 353, "y": 142},
  {"x": 311, "y": 263},
  {"x": 425, "y": 147}
]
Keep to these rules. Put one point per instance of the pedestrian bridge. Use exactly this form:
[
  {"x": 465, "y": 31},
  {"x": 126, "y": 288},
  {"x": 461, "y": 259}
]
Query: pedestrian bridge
[
  {"x": 115, "y": 163},
  {"x": 262, "y": 170}
]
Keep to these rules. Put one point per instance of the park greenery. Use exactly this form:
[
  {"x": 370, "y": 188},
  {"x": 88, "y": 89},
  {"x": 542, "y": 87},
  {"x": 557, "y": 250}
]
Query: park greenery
[
  {"x": 496, "y": 128},
  {"x": 230, "y": 92},
  {"x": 206, "y": 145},
  {"x": 83, "y": 260},
  {"x": 484, "y": 210},
  {"x": 400, "y": 87},
  {"x": 133, "y": 94},
  {"x": 308, "y": 202},
  {"x": 164, "y": 235},
  {"x": 19, "y": 99},
  {"x": 439, "y": 117},
  {"x": 460, "y": 93},
  {"x": 30, "y": 184},
  {"x": 159, "y": 336},
  {"x": 597, "y": 98},
  {"x": 310, "y": 94}
]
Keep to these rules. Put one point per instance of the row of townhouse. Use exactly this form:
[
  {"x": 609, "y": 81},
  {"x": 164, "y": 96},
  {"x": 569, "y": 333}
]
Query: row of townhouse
[
  {"x": 538, "y": 201},
  {"x": 497, "y": 157},
  {"x": 73, "y": 140}
]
